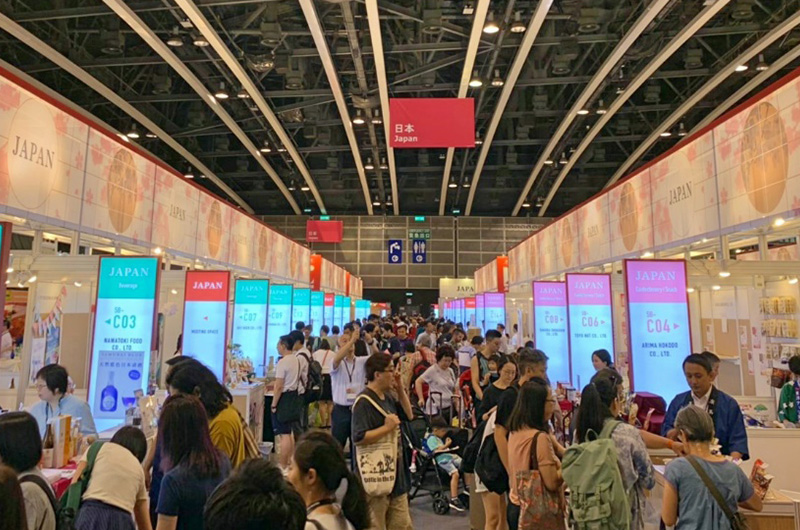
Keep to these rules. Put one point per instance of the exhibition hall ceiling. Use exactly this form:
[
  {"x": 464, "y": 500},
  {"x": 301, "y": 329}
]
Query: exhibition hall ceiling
[{"x": 568, "y": 94}]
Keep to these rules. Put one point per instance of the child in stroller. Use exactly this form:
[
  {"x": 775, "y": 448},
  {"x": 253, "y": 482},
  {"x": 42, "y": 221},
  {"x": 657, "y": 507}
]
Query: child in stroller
[{"x": 439, "y": 445}]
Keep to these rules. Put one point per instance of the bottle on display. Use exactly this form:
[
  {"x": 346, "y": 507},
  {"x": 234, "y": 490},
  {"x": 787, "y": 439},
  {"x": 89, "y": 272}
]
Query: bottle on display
[
  {"x": 109, "y": 395},
  {"x": 48, "y": 447}
]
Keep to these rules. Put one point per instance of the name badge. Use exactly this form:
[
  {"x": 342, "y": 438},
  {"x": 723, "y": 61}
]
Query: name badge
[{"x": 351, "y": 392}]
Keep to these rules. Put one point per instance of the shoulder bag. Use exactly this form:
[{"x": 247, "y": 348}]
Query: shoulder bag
[
  {"x": 539, "y": 508},
  {"x": 737, "y": 520},
  {"x": 290, "y": 406},
  {"x": 377, "y": 462}
]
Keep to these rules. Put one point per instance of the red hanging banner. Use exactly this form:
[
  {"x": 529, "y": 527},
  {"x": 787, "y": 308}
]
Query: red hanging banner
[
  {"x": 316, "y": 272},
  {"x": 432, "y": 122},
  {"x": 324, "y": 231}
]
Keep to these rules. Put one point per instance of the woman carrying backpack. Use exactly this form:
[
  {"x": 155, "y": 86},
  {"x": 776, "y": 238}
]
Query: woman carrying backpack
[
  {"x": 536, "y": 500},
  {"x": 601, "y": 402},
  {"x": 688, "y": 501}
]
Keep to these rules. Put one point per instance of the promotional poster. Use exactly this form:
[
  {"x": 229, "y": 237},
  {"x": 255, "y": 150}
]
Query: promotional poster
[
  {"x": 469, "y": 313},
  {"x": 338, "y": 311},
  {"x": 550, "y": 327},
  {"x": 495, "y": 310},
  {"x": 659, "y": 325},
  {"x": 250, "y": 320},
  {"x": 205, "y": 318},
  {"x": 329, "y": 310},
  {"x": 122, "y": 336},
  {"x": 590, "y": 323},
  {"x": 317, "y": 311}
]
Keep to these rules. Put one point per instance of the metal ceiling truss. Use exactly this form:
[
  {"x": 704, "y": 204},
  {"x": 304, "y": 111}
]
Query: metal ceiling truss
[
  {"x": 708, "y": 12},
  {"x": 318, "y": 34},
  {"x": 373, "y": 16},
  {"x": 644, "y": 21},
  {"x": 696, "y": 96},
  {"x": 85, "y": 77},
  {"x": 535, "y": 24},
  {"x": 210, "y": 34},
  {"x": 148, "y": 36},
  {"x": 479, "y": 18}
]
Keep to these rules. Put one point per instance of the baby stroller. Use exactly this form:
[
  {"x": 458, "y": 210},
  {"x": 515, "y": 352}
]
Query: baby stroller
[{"x": 426, "y": 477}]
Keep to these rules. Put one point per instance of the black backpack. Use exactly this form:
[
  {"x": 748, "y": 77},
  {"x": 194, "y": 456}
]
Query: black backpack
[
  {"x": 472, "y": 449},
  {"x": 490, "y": 468},
  {"x": 313, "y": 380}
]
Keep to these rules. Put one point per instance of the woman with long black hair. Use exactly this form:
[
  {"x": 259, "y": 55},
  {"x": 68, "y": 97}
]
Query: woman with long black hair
[
  {"x": 12, "y": 503},
  {"x": 193, "y": 466},
  {"x": 334, "y": 497},
  {"x": 601, "y": 401}
]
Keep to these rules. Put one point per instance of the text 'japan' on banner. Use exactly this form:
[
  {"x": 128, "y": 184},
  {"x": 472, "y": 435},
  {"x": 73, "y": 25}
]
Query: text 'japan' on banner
[
  {"x": 591, "y": 325},
  {"x": 205, "y": 318},
  {"x": 431, "y": 122}
]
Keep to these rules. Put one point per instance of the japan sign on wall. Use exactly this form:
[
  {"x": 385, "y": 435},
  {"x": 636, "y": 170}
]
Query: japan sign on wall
[
  {"x": 250, "y": 320},
  {"x": 432, "y": 122},
  {"x": 205, "y": 318},
  {"x": 658, "y": 318},
  {"x": 122, "y": 337},
  {"x": 550, "y": 327},
  {"x": 175, "y": 213},
  {"x": 590, "y": 320}
]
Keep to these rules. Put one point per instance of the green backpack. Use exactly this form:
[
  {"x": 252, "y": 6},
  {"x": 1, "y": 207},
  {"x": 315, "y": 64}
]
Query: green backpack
[{"x": 598, "y": 499}]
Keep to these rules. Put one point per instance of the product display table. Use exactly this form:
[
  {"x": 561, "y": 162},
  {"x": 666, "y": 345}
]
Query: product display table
[
  {"x": 249, "y": 401},
  {"x": 60, "y": 479}
]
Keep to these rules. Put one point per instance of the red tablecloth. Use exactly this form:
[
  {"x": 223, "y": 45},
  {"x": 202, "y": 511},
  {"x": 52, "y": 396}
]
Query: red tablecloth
[{"x": 61, "y": 486}]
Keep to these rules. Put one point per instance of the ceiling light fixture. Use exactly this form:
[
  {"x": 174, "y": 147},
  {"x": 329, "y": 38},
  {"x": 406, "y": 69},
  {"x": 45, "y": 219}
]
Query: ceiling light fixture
[
  {"x": 384, "y": 165},
  {"x": 77, "y": 283},
  {"x": 32, "y": 279},
  {"x": 793, "y": 280},
  {"x": 690, "y": 290},
  {"x": 200, "y": 42},
  {"x": 716, "y": 287},
  {"x": 292, "y": 186},
  {"x": 583, "y": 112},
  {"x": 281, "y": 149},
  {"x": 647, "y": 254},
  {"x": 175, "y": 40},
  {"x": 150, "y": 135},
  {"x": 189, "y": 174},
  {"x": 304, "y": 187},
  {"x": 307, "y": 210},
  {"x": 133, "y": 134},
  {"x": 369, "y": 165},
  {"x": 10, "y": 270},
  {"x": 681, "y": 130},
  {"x": 358, "y": 119},
  {"x": 466, "y": 184},
  {"x": 762, "y": 65},
  {"x": 601, "y": 109},
  {"x": 517, "y": 26},
  {"x": 491, "y": 27},
  {"x": 665, "y": 134},
  {"x": 724, "y": 273},
  {"x": 526, "y": 204},
  {"x": 469, "y": 9},
  {"x": 174, "y": 291},
  {"x": 741, "y": 68},
  {"x": 376, "y": 201},
  {"x": 389, "y": 200},
  {"x": 157, "y": 251},
  {"x": 497, "y": 81},
  {"x": 376, "y": 117},
  {"x": 548, "y": 162},
  {"x": 221, "y": 93},
  {"x": 478, "y": 140},
  {"x": 243, "y": 94},
  {"x": 265, "y": 148},
  {"x": 476, "y": 81},
  {"x": 777, "y": 223},
  {"x": 453, "y": 184},
  {"x": 563, "y": 161}
]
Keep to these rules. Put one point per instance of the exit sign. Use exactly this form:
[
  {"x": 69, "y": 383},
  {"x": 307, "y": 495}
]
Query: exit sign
[
  {"x": 324, "y": 217},
  {"x": 419, "y": 234},
  {"x": 419, "y": 218}
]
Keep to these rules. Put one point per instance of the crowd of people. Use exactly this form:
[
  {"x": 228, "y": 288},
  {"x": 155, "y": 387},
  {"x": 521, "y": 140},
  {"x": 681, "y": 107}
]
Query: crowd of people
[{"x": 369, "y": 381}]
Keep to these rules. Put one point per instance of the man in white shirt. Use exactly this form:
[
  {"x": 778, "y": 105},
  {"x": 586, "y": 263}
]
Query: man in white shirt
[
  {"x": 503, "y": 338},
  {"x": 515, "y": 339},
  {"x": 348, "y": 379}
]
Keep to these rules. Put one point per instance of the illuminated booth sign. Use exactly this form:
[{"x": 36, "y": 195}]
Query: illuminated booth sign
[
  {"x": 317, "y": 310},
  {"x": 338, "y": 311},
  {"x": 550, "y": 327},
  {"x": 469, "y": 313},
  {"x": 250, "y": 320},
  {"x": 590, "y": 322},
  {"x": 205, "y": 318},
  {"x": 329, "y": 310},
  {"x": 122, "y": 337},
  {"x": 658, "y": 320},
  {"x": 279, "y": 322},
  {"x": 495, "y": 310},
  {"x": 301, "y": 306}
]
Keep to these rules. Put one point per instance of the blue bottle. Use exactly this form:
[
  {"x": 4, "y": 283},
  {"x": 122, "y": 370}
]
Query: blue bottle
[{"x": 108, "y": 396}]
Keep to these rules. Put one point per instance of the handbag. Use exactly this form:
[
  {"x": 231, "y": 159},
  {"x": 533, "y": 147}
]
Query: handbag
[
  {"x": 737, "y": 520},
  {"x": 377, "y": 462},
  {"x": 539, "y": 508},
  {"x": 488, "y": 466}
]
